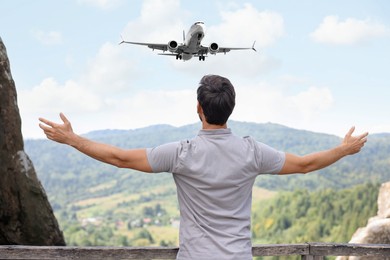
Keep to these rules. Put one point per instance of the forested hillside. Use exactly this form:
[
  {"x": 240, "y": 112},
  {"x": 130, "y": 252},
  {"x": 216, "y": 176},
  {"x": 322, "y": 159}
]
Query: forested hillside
[
  {"x": 64, "y": 170},
  {"x": 323, "y": 216},
  {"x": 98, "y": 204}
]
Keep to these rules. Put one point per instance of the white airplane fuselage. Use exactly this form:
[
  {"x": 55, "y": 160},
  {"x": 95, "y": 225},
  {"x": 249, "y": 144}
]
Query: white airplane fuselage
[{"x": 193, "y": 40}]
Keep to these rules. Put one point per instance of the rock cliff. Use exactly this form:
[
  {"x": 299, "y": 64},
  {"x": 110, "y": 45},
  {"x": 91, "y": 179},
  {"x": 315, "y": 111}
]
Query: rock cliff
[
  {"x": 377, "y": 230},
  {"x": 26, "y": 217}
]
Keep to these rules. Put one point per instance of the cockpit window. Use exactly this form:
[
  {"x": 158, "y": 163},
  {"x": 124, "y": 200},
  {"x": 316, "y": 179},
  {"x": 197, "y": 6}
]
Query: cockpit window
[{"x": 199, "y": 23}]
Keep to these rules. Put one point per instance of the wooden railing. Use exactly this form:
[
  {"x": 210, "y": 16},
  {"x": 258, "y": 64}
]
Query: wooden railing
[{"x": 307, "y": 251}]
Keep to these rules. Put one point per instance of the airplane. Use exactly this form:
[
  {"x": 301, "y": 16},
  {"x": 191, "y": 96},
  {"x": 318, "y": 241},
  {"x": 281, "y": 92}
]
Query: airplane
[{"x": 191, "y": 46}]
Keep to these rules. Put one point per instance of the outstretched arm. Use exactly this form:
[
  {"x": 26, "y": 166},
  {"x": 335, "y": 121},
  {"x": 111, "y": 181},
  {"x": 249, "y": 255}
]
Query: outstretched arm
[
  {"x": 315, "y": 161},
  {"x": 63, "y": 133}
]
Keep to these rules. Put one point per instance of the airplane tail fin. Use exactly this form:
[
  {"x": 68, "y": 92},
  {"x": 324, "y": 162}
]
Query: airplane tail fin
[{"x": 184, "y": 36}]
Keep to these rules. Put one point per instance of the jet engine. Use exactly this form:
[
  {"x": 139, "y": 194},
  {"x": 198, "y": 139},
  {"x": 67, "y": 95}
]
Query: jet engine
[
  {"x": 172, "y": 46},
  {"x": 213, "y": 48}
]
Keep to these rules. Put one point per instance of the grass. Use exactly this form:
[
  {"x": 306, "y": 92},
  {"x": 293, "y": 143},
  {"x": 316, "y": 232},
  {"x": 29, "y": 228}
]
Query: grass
[{"x": 109, "y": 208}]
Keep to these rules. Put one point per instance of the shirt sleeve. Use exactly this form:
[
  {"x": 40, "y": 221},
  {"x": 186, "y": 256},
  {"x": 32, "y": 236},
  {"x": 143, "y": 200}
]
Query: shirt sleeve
[
  {"x": 271, "y": 160},
  {"x": 163, "y": 158}
]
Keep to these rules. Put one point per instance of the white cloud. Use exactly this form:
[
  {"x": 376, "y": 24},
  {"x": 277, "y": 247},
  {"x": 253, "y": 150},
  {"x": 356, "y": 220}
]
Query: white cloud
[
  {"x": 108, "y": 75},
  {"x": 150, "y": 107},
  {"x": 47, "y": 38},
  {"x": 245, "y": 25},
  {"x": 89, "y": 112},
  {"x": 106, "y": 81},
  {"x": 309, "y": 103},
  {"x": 160, "y": 22},
  {"x": 102, "y": 4},
  {"x": 110, "y": 71},
  {"x": 50, "y": 95},
  {"x": 264, "y": 102},
  {"x": 261, "y": 102},
  {"x": 348, "y": 32}
]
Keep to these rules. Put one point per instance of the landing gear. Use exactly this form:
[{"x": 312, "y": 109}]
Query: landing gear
[
  {"x": 201, "y": 58},
  {"x": 179, "y": 57}
]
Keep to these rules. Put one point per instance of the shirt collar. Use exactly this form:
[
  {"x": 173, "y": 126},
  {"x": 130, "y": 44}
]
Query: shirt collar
[{"x": 215, "y": 131}]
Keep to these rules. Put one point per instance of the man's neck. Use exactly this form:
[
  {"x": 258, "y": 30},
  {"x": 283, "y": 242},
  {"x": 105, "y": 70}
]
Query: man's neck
[{"x": 207, "y": 126}]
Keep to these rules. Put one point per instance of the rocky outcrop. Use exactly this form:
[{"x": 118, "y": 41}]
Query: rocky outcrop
[
  {"x": 377, "y": 230},
  {"x": 26, "y": 217}
]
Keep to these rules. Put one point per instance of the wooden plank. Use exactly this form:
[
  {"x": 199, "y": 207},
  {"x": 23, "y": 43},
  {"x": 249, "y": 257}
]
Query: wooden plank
[
  {"x": 314, "y": 251},
  {"x": 333, "y": 249},
  {"x": 280, "y": 249},
  {"x": 80, "y": 253}
]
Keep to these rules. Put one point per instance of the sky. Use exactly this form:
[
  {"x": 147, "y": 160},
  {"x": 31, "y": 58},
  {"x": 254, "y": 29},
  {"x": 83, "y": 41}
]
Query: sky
[{"x": 321, "y": 66}]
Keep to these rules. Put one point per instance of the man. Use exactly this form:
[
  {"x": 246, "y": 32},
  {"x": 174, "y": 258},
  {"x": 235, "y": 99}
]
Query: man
[{"x": 214, "y": 172}]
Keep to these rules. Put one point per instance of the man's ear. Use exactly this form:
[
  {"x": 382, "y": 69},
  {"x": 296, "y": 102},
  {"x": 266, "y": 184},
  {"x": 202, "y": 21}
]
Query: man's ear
[{"x": 199, "y": 109}]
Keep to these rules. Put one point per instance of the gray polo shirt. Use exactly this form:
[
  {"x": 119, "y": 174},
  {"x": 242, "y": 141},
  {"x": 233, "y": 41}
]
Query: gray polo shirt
[{"x": 214, "y": 174}]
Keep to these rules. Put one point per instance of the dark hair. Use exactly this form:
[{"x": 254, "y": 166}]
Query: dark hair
[{"x": 216, "y": 96}]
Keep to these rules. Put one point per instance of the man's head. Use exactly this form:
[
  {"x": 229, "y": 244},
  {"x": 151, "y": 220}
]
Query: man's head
[{"x": 216, "y": 97}]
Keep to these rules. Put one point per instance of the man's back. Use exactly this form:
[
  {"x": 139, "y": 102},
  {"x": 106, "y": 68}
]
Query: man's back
[{"x": 214, "y": 175}]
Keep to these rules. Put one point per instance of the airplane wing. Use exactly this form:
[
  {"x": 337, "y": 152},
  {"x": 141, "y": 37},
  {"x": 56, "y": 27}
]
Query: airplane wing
[
  {"x": 167, "y": 54},
  {"x": 227, "y": 49},
  {"x": 182, "y": 51},
  {"x": 204, "y": 50},
  {"x": 153, "y": 46}
]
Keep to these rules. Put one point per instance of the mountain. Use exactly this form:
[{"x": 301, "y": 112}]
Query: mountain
[{"x": 59, "y": 166}]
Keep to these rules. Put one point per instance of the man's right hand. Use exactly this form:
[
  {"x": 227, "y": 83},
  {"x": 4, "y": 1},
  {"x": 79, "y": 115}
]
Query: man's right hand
[
  {"x": 63, "y": 133},
  {"x": 60, "y": 133}
]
